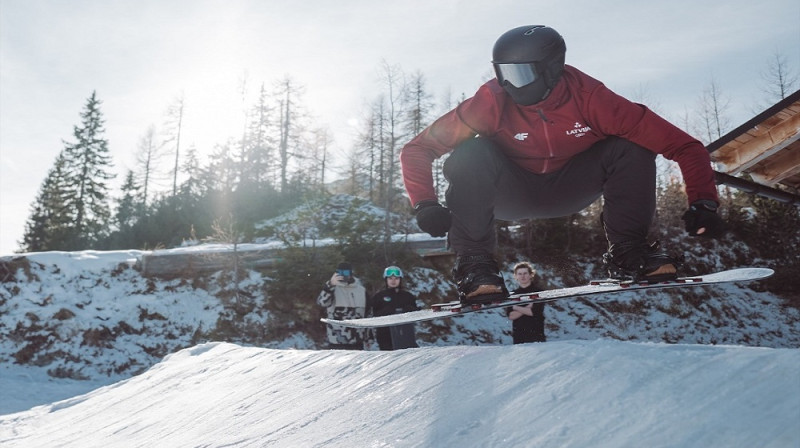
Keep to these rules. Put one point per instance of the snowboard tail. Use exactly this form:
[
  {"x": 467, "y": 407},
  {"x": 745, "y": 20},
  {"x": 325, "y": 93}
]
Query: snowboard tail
[{"x": 595, "y": 287}]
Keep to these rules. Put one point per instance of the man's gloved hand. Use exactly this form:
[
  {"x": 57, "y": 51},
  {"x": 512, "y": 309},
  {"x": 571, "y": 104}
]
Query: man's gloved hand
[
  {"x": 433, "y": 218},
  {"x": 702, "y": 220}
]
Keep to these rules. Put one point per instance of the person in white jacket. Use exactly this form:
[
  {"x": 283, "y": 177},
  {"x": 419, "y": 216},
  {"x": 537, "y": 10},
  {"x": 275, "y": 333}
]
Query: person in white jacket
[{"x": 345, "y": 298}]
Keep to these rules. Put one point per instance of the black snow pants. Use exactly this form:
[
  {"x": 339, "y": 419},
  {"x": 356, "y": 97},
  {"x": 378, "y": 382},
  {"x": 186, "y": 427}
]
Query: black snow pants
[{"x": 484, "y": 185}]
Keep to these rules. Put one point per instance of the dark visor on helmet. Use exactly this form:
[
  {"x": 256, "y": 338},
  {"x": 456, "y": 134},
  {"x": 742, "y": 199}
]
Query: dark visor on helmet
[{"x": 518, "y": 75}]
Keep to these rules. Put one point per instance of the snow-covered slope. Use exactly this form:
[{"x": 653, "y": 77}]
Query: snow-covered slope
[
  {"x": 73, "y": 322},
  {"x": 91, "y": 316},
  {"x": 565, "y": 394}
]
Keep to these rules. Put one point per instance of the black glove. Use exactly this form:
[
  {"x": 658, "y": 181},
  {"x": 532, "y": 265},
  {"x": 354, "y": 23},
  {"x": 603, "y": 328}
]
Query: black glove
[
  {"x": 433, "y": 218},
  {"x": 703, "y": 214}
]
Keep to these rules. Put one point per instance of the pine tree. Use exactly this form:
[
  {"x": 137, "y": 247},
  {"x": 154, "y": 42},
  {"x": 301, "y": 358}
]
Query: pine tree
[
  {"x": 420, "y": 105},
  {"x": 259, "y": 163},
  {"x": 130, "y": 205},
  {"x": 316, "y": 158},
  {"x": 779, "y": 78},
  {"x": 222, "y": 169},
  {"x": 290, "y": 126},
  {"x": 364, "y": 161},
  {"x": 88, "y": 161},
  {"x": 191, "y": 188},
  {"x": 50, "y": 220},
  {"x": 129, "y": 211},
  {"x": 148, "y": 159},
  {"x": 713, "y": 113}
]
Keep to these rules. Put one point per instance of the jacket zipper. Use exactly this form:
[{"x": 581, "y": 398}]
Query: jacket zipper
[{"x": 546, "y": 138}]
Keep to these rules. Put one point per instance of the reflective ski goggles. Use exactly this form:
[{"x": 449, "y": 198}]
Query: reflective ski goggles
[
  {"x": 392, "y": 272},
  {"x": 344, "y": 272},
  {"x": 518, "y": 75}
]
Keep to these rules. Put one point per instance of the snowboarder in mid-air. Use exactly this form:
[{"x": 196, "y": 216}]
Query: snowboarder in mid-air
[{"x": 543, "y": 140}]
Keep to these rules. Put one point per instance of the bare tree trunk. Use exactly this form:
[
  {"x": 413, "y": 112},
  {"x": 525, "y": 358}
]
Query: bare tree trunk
[{"x": 174, "y": 125}]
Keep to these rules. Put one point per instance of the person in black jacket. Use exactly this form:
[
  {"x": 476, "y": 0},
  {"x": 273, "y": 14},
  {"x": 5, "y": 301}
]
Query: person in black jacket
[
  {"x": 527, "y": 320},
  {"x": 393, "y": 300}
]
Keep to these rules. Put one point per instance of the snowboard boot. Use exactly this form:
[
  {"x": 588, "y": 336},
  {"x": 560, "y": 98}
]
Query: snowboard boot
[
  {"x": 478, "y": 279},
  {"x": 637, "y": 261}
]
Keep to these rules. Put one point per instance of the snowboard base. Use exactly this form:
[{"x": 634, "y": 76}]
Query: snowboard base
[{"x": 595, "y": 287}]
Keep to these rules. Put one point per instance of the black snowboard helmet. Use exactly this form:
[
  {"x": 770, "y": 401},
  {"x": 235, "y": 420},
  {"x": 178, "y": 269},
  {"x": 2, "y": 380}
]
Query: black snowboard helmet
[{"x": 528, "y": 62}]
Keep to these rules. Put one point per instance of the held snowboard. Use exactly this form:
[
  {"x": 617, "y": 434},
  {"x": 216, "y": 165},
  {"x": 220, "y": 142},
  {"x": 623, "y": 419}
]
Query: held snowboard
[{"x": 451, "y": 309}]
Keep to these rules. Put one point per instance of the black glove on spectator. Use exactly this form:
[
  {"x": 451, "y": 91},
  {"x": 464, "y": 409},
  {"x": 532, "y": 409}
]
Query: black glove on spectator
[
  {"x": 433, "y": 218},
  {"x": 703, "y": 214}
]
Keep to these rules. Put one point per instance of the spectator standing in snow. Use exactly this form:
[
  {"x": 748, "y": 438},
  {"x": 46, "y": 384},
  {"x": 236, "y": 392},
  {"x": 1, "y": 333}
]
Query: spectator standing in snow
[
  {"x": 393, "y": 300},
  {"x": 527, "y": 320},
  {"x": 345, "y": 298}
]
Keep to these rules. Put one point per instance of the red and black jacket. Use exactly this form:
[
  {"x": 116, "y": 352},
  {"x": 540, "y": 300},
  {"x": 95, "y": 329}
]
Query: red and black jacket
[{"x": 542, "y": 137}]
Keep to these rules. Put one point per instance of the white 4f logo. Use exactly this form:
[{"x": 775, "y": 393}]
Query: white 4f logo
[{"x": 521, "y": 136}]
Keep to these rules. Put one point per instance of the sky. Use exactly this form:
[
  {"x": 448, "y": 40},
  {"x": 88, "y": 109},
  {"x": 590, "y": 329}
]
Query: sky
[{"x": 140, "y": 56}]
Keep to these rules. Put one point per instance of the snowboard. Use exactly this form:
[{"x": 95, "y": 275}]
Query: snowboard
[{"x": 595, "y": 287}]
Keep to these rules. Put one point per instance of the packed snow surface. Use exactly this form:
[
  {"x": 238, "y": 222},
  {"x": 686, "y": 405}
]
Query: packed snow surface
[
  {"x": 600, "y": 393},
  {"x": 603, "y": 379}
]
